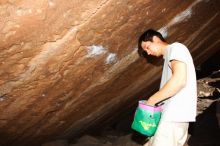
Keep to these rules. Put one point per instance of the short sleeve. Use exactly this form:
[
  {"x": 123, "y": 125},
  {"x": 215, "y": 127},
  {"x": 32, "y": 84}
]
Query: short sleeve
[{"x": 179, "y": 52}]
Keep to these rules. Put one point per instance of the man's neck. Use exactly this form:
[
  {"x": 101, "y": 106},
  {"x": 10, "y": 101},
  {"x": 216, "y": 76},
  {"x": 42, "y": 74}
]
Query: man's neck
[{"x": 163, "y": 48}]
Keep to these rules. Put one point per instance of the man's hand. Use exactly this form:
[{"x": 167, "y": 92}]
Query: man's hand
[{"x": 149, "y": 102}]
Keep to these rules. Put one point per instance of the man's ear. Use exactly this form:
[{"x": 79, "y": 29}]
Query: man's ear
[
  {"x": 155, "y": 39},
  {"x": 143, "y": 43}
]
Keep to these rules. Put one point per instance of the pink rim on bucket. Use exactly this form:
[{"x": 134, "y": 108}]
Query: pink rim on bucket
[{"x": 142, "y": 105}]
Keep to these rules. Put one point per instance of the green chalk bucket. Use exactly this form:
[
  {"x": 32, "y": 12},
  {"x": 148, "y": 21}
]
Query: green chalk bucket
[{"x": 146, "y": 119}]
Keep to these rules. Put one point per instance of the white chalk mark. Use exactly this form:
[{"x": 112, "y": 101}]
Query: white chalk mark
[
  {"x": 95, "y": 50},
  {"x": 183, "y": 16},
  {"x": 111, "y": 58},
  {"x": 164, "y": 31}
]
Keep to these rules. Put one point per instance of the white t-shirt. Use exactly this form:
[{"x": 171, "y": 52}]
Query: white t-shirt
[{"x": 182, "y": 106}]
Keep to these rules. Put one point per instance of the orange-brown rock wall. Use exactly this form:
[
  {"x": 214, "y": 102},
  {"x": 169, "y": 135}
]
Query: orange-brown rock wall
[{"x": 66, "y": 65}]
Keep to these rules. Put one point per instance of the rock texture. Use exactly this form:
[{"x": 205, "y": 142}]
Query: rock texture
[{"x": 68, "y": 65}]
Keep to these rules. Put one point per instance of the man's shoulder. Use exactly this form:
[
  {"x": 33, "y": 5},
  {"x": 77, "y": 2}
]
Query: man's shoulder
[
  {"x": 178, "y": 48},
  {"x": 177, "y": 44}
]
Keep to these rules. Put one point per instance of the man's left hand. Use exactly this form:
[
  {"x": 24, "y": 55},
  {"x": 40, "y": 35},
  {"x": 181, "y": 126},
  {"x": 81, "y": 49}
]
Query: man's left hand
[{"x": 149, "y": 102}]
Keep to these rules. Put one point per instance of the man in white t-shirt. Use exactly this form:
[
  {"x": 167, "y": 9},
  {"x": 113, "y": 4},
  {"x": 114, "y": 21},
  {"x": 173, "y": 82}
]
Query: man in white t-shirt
[{"x": 178, "y": 90}]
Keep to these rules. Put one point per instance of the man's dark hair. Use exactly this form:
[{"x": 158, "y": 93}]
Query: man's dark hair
[{"x": 148, "y": 36}]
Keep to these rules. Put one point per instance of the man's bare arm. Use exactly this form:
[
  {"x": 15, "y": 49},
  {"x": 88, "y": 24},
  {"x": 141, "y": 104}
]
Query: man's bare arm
[{"x": 174, "y": 85}]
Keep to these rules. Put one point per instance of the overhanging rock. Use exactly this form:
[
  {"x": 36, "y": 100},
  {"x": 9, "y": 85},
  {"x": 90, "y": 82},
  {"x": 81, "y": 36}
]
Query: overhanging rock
[{"x": 67, "y": 65}]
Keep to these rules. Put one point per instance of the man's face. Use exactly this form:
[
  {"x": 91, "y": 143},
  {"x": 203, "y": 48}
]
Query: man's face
[{"x": 152, "y": 48}]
